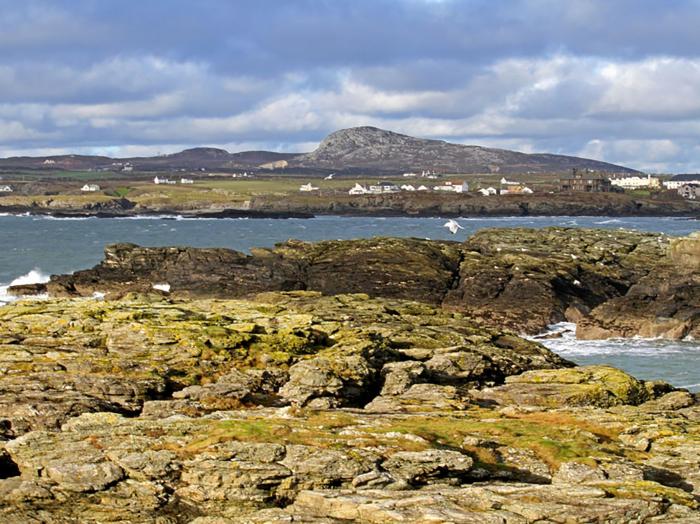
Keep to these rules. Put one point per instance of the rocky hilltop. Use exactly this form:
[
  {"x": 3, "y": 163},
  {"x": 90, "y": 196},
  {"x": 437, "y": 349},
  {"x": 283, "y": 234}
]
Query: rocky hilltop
[
  {"x": 298, "y": 407},
  {"x": 612, "y": 283},
  {"x": 370, "y": 148},
  {"x": 359, "y": 148}
]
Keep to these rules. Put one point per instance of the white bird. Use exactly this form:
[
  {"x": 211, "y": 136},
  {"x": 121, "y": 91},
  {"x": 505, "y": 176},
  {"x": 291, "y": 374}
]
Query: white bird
[{"x": 453, "y": 226}]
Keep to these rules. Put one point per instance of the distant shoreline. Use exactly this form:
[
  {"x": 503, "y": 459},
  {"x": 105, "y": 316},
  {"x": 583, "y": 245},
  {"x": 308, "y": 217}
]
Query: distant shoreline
[{"x": 377, "y": 213}]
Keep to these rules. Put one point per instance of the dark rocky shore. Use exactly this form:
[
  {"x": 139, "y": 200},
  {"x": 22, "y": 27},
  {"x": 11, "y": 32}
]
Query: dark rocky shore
[
  {"x": 611, "y": 283},
  {"x": 362, "y": 381},
  {"x": 400, "y": 204}
]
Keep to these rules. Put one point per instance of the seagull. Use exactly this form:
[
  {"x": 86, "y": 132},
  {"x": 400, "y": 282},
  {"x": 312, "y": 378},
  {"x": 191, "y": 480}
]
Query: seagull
[{"x": 453, "y": 226}]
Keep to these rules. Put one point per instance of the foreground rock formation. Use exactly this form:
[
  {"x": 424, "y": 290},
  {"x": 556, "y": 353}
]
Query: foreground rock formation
[
  {"x": 612, "y": 283},
  {"x": 297, "y": 407}
]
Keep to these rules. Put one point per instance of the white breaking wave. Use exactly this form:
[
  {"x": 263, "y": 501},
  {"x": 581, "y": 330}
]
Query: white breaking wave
[
  {"x": 35, "y": 276},
  {"x": 567, "y": 345}
]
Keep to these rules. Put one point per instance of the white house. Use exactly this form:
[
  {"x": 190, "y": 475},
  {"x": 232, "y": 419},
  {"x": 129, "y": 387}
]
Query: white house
[
  {"x": 636, "y": 182},
  {"x": 186, "y": 181},
  {"x": 357, "y": 189},
  {"x": 157, "y": 181},
  {"x": 407, "y": 187},
  {"x": 423, "y": 188},
  {"x": 488, "y": 191},
  {"x": 305, "y": 188},
  {"x": 506, "y": 182},
  {"x": 90, "y": 188},
  {"x": 679, "y": 180},
  {"x": 410, "y": 175},
  {"x": 5, "y": 189},
  {"x": 128, "y": 168},
  {"x": 48, "y": 162},
  {"x": 384, "y": 187},
  {"x": 329, "y": 177},
  {"x": 455, "y": 187}
]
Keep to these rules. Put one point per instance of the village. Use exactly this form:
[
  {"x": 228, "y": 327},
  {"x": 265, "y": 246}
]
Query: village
[
  {"x": 586, "y": 181},
  {"x": 196, "y": 185}
]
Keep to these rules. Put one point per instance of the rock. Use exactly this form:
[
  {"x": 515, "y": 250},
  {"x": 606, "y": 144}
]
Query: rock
[
  {"x": 377, "y": 424},
  {"x": 417, "y": 467},
  {"x": 582, "y": 386},
  {"x": 399, "y": 376},
  {"x": 163, "y": 356},
  {"x": 84, "y": 477},
  {"x": 324, "y": 383},
  {"x": 611, "y": 283},
  {"x": 421, "y": 397}
]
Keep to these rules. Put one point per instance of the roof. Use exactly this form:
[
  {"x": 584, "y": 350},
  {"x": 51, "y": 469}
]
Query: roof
[
  {"x": 584, "y": 176},
  {"x": 682, "y": 178}
]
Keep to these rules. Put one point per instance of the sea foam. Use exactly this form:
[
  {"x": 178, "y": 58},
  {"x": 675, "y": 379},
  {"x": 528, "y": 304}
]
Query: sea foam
[{"x": 35, "y": 276}]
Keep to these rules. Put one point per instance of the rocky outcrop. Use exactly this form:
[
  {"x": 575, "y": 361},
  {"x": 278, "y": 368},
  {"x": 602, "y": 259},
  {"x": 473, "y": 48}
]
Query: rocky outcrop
[
  {"x": 63, "y": 358},
  {"x": 612, "y": 283},
  {"x": 664, "y": 303},
  {"x": 309, "y": 408}
]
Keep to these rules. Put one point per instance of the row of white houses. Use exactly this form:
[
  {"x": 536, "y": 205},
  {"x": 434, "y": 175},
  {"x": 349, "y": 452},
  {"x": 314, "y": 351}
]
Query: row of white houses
[{"x": 167, "y": 181}]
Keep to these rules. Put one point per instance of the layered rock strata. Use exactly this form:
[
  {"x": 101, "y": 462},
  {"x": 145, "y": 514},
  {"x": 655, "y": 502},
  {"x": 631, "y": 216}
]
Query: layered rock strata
[{"x": 297, "y": 407}]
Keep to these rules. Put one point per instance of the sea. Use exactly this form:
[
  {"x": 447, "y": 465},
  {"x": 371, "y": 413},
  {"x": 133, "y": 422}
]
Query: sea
[{"x": 34, "y": 247}]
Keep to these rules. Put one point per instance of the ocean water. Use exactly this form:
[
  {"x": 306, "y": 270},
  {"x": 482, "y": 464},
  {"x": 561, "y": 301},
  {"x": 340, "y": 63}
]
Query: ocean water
[
  {"x": 677, "y": 362},
  {"x": 33, "y": 247}
]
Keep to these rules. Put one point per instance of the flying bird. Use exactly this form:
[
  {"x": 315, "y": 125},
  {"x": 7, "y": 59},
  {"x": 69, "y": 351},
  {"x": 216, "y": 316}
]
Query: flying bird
[{"x": 453, "y": 226}]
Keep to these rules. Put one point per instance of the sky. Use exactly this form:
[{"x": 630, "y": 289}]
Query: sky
[{"x": 613, "y": 80}]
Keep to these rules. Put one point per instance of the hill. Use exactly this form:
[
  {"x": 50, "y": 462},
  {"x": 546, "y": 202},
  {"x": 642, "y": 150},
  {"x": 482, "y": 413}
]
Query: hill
[
  {"x": 377, "y": 149},
  {"x": 358, "y": 149}
]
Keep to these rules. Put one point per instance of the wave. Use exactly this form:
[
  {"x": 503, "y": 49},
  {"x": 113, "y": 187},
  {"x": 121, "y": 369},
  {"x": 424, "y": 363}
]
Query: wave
[
  {"x": 566, "y": 344},
  {"x": 35, "y": 276},
  {"x": 50, "y": 217}
]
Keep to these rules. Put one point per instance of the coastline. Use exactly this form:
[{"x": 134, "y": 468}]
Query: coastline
[{"x": 304, "y": 212}]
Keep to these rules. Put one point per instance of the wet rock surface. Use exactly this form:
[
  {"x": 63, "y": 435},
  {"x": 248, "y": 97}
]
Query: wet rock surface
[
  {"x": 612, "y": 283},
  {"x": 298, "y": 407}
]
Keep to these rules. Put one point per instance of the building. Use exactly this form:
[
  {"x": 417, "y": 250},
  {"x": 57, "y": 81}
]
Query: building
[
  {"x": 410, "y": 175},
  {"x": 581, "y": 180},
  {"x": 186, "y": 181},
  {"x": 679, "y": 180},
  {"x": 127, "y": 168},
  {"x": 166, "y": 181},
  {"x": 455, "y": 187},
  {"x": 636, "y": 182},
  {"x": 357, "y": 189},
  {"x": 408, "y": 187},
  {"x": 488, "y": 191},
  {"x": 5, "y": 189},
  {"x": 690, "y": 191},
  {"x": 48, "y": 162},
  {"x": 506, "y": 182},
  {"x": 423, "y": 188},
  {"x": 90, "y": 188},
  {"x": 384, "y": 187},
  {"x": 305, "y": 188},
  {"x": 517, "y": 190}
]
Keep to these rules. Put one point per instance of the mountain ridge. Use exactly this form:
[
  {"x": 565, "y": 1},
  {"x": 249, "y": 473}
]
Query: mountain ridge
[{"x": 351, "y": 150}]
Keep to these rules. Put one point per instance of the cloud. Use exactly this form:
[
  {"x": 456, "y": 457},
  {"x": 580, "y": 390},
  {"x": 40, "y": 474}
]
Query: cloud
[{"x": 619, "y": 81}]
